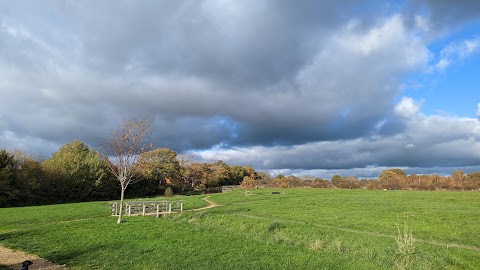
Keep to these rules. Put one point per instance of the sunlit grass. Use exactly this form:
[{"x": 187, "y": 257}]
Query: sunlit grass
[{"x": 301, "y": 229}]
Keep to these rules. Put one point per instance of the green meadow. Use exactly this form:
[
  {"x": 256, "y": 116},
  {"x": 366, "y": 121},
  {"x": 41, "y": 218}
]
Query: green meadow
[{"x": 297, "y": 229}]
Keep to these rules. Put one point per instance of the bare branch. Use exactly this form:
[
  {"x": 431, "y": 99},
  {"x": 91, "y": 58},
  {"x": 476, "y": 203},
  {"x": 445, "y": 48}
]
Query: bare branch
[{"x": 122, "y": 149}]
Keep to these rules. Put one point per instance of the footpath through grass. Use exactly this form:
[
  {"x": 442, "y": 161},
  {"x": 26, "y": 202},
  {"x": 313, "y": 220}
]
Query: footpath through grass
[{"x": 301, "y": 229}]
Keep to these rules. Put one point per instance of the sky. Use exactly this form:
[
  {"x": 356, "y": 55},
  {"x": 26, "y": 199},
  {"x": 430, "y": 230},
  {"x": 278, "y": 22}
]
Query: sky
[{"x": 309, "y": 88}]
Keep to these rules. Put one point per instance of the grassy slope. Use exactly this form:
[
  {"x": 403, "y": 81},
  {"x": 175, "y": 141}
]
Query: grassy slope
[{"x": 302, "y": 229}]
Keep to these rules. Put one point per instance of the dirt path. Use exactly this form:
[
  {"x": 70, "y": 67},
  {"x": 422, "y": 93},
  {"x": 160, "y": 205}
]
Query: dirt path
[
  {"x": 13, "y": 259},
  {"x": 211, "y": 204}
]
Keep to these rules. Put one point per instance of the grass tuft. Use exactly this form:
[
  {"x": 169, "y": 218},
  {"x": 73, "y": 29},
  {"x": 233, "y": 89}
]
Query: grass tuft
[
  {"x": 318, "y": 245},
  {"x": 405, "y": 247},
  {"x": 336, "y": 245}
]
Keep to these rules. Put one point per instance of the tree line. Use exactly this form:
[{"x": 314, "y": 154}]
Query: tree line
[
  {"x": 391, "y": 179},
  {"x": 77, "y": 173}
]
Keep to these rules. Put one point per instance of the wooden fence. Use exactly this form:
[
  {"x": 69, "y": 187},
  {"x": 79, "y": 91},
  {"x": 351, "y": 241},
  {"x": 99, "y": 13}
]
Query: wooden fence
[
  {"x": 142, "y": 208},
  {"x": 229, "y": 188}
]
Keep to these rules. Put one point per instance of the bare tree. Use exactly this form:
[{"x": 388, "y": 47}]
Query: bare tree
[{"x": 122, "y": 149}]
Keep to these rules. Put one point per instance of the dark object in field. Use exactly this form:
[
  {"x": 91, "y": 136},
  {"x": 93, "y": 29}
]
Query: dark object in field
[
  {"x": 275, "y": 192},
  {"x": 25, "y": 264}
]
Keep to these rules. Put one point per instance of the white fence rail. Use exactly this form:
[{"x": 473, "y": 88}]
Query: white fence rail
[{"x": 142, "y": 208}]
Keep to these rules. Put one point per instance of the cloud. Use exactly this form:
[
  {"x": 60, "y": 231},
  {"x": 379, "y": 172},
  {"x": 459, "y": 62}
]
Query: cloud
[
  {"x": 446, "y": 15},
  {"x": 190, "y": 62},
  {"x": 456, "y": 52},
  {"x": 272, "y": 83},
  {"x": 34, "y": 145},
  {"x": 407, "y": 107},
  {"x": 428, "y": 141}
]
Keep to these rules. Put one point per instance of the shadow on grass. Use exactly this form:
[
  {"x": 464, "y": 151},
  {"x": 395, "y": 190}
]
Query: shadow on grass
[
  {"x": 19, "y": 240},
  {"x": 10, "y": 234}
]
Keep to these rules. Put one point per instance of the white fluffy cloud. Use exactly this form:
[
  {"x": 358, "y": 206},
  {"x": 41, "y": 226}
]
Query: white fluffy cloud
[
  {"x": 407, "y": 107},
  {"x": 457, "y": 51}
]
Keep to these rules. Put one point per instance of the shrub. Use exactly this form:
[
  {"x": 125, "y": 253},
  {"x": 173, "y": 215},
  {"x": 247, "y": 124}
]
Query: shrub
[{"x": 168, "y": 192}]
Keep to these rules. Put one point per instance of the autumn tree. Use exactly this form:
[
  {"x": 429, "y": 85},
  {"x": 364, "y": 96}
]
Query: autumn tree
[
  {"x": 186, "y": 181},
  {"x": 193, "y": 175},
  {"x": 218, "y": 173},
  {"x": 392, "y": 178},
  {"x": 122, "y": 149},
  {"x": 264, "y": 178},
  {"x": 161, "y": 166},
  {"x": 350, "y": 182},
  {"x": 282, "y": 182},
  {"x": 237, "y": 173},
  {"x": 247, "y": 184},
  {"x": 337, "y": 180},
  {"x": 205, "y": 176}
]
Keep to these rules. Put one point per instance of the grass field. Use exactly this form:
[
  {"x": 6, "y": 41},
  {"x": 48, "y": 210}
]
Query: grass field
[{"x": 301, "y": 229}]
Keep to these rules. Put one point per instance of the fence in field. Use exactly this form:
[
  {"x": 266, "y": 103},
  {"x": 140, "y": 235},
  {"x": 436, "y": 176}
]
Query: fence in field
[
  {"x": 139, "y": 208},
  {"x": 229, "y": 188}
]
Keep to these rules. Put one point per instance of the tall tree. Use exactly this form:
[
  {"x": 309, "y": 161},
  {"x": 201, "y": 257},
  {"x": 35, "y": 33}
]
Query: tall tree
[
  {"x": 29, "y": 177},
  {"x": 237, "y": 173},
  {"x": 122, "y": 149},
  {"x": 8, "y": 193},
  {"x": 162, "y": 166},
  {"x": 79, "y": 172},
  {"x": 218, "y": 173}
]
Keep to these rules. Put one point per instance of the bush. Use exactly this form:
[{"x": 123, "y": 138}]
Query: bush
[{"x": 168, "y": 192}]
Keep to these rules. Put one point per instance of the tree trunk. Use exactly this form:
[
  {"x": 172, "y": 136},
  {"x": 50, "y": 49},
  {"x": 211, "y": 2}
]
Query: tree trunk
[{"x": 122, "y": 192}]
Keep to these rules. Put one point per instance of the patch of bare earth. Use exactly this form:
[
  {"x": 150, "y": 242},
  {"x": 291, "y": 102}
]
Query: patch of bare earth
[
  {"x": 13, "y": 259},
  {"x": 211, "y": 204}
]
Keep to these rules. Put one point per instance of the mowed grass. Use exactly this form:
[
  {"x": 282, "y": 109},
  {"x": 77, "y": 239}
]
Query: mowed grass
[{"x": 301, "y": 229}]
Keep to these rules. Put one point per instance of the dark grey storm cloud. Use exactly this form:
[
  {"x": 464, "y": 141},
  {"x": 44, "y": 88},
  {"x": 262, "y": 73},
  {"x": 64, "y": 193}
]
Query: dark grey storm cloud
[
  {"x": 226, "y": 75},
  {"x": 445, "y": 14},
  {"x": 427, "y": 142}
]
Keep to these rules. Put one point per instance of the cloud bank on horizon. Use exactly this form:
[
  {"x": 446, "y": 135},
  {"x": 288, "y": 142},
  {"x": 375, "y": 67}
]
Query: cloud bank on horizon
[{"x": 304, "y": 87}]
